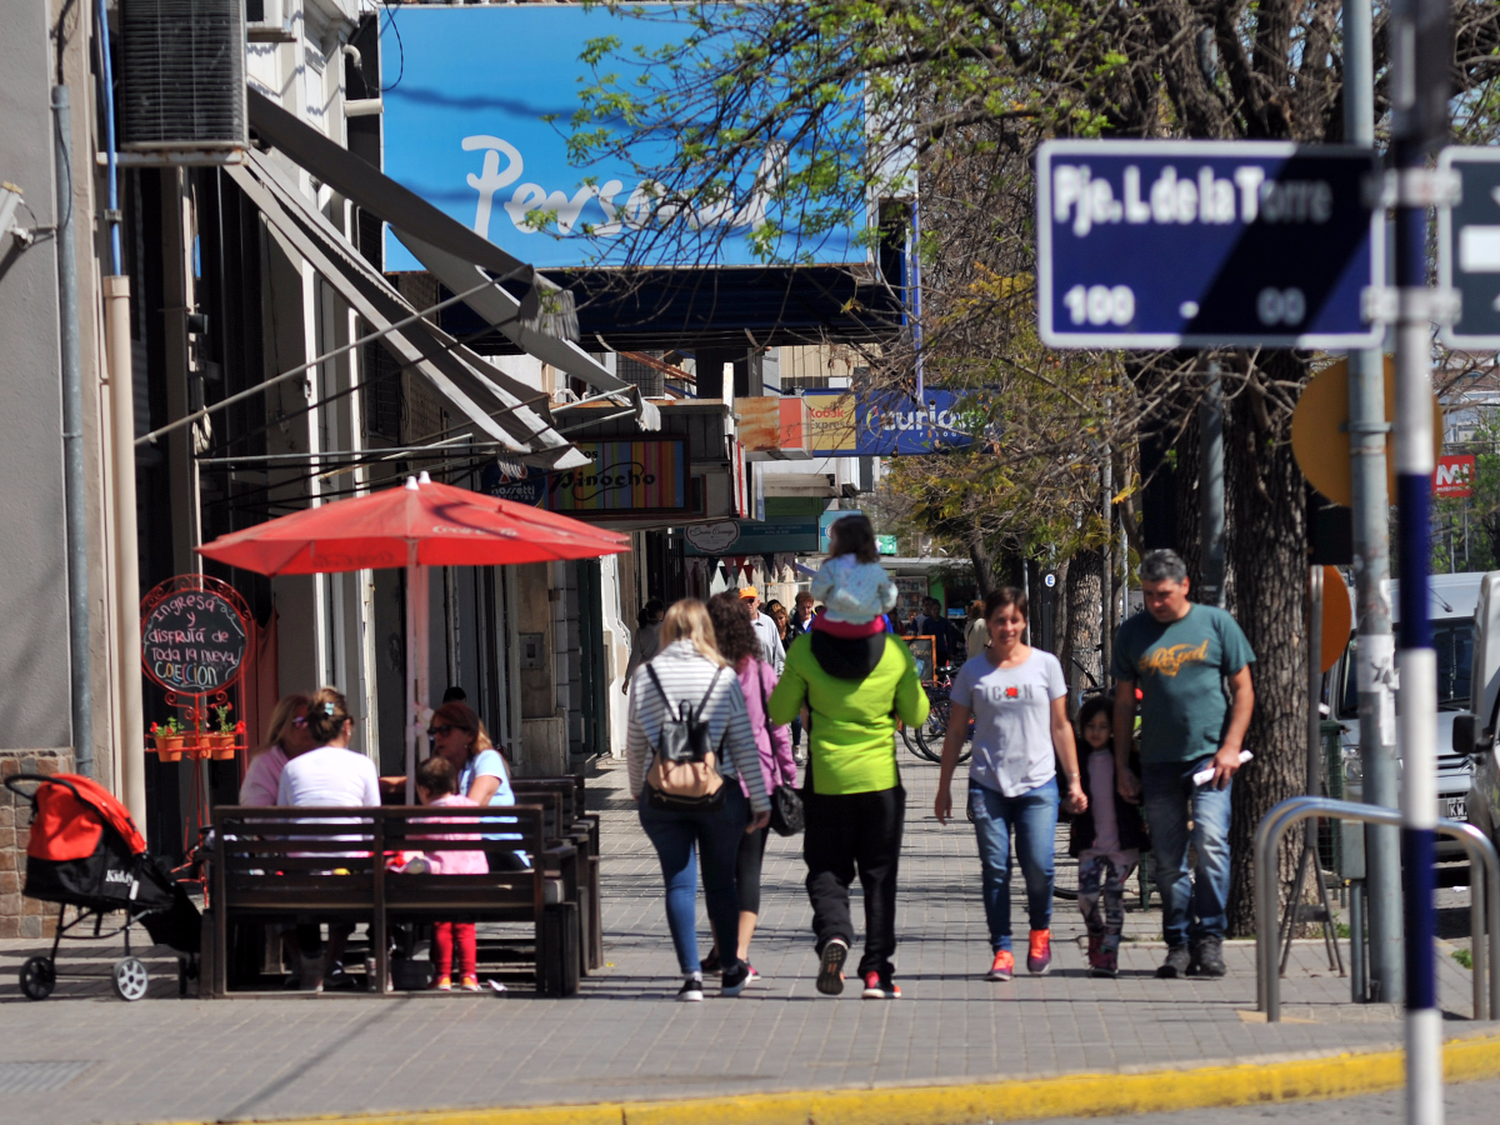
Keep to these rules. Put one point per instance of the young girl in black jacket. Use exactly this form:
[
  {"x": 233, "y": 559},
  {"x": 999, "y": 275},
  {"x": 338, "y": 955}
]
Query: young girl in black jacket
[{"x": 1106, "y": 838}]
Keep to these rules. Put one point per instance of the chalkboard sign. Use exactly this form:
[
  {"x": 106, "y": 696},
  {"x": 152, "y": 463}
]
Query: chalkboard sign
[{"x": 193, "y": 641}]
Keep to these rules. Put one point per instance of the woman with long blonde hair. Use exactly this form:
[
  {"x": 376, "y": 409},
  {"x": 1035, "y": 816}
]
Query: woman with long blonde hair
[
  {"x": 286, "y": 738},
  {"x": 689, "y": 678}
]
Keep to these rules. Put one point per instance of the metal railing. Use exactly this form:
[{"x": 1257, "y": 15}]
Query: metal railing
[{"x": 1484, "y": 896}]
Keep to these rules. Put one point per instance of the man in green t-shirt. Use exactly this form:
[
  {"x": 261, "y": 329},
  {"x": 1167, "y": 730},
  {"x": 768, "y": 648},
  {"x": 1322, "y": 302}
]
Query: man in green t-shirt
[{"x": 1192, "y": 665}]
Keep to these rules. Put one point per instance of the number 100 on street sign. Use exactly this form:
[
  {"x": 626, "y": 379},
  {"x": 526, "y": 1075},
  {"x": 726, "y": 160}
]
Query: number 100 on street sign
[{"x": 1160, "y": 244}]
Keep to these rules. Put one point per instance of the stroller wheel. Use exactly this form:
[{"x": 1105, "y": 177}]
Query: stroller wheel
[
  {"x": 130, "y": 978},
  {"x": 38, "y": 977}
]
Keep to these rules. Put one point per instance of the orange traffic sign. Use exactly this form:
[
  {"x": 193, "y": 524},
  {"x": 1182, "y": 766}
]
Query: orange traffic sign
[
  {"x": 1338, "y": 616},
  {"x": 1320, "y": 436}
]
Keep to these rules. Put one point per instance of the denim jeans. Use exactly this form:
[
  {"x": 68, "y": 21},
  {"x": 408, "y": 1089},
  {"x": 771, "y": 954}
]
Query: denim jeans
[
  {"x": 715, "y": 838},
  {"x": 1194, "y": 908},
  {"x": 1033, "y": 815}
]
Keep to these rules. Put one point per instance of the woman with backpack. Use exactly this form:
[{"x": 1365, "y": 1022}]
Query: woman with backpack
[{"x": 688, "y": 745}]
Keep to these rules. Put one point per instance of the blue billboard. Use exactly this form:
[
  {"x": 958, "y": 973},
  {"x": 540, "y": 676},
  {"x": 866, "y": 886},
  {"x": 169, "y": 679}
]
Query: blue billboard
[
  {"x": 477, "y": 124},
  {"x": 891, "y": 423}
]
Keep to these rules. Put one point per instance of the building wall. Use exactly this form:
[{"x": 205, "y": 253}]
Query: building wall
[
  {"x": 23, "y": 917},
  {"x": 34, "y": 662}
]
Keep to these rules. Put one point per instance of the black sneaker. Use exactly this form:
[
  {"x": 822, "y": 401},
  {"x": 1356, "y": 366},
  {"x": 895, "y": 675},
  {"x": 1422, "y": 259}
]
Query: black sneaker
[
  {"x": 735, "y": 979},
  {"x": 711, "y": 962},
  {"x": 831, "y": 967},
  {"x": 1176, "y": 964},
  {"x": 691, "y": 991},
  {"x": 1208, "y": 958}
]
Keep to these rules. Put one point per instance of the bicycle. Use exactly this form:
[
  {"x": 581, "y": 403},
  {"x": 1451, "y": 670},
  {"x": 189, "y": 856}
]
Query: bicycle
[{"x": 925, "y": 741}]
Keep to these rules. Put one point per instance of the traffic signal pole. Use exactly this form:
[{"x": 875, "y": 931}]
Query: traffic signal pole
[{"x": 1375, "y": 652}]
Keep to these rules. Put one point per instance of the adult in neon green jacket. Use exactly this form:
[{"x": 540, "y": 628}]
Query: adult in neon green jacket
[{"x": 854, "y": 687}]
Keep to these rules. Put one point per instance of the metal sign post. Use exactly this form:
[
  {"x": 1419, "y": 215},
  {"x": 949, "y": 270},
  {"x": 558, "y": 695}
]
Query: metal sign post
[
  {"x": 1164, "y": 244},
  {"x": 1419, "y": 110}
]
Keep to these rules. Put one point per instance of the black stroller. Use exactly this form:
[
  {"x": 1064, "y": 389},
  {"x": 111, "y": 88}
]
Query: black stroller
[{"x": 85, "y": 852}]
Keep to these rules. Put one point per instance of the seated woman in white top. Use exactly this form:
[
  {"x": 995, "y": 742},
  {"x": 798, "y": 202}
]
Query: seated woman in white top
[
  {"x": 286, "y": 739},
  {"x": 330, "y": 776}
]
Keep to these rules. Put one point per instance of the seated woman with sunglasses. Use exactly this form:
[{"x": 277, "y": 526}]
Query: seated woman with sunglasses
[{"x": 458, "y": 735}]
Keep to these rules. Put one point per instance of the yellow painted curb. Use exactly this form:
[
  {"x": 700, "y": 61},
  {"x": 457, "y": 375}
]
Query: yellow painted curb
[{"x": 1071, "y": 1095}]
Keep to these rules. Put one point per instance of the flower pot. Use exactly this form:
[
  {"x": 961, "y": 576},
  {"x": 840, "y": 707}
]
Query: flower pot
[
  {"x": 169, "y": 749},
  {"x": 222, "y": 746}
]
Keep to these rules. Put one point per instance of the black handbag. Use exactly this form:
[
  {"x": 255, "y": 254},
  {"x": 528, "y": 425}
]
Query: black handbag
[{"x": 787, "y": 816}]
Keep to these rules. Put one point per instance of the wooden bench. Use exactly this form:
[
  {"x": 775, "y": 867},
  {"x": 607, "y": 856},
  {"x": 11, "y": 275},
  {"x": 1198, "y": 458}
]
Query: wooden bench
[
  {"x": 580, "y": 827},
  {"x": 270, "y": 865}
]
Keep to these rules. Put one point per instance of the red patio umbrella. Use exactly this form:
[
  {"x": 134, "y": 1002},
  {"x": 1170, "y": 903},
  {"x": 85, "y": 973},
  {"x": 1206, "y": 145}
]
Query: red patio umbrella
[{"x": 423, "y": 524}]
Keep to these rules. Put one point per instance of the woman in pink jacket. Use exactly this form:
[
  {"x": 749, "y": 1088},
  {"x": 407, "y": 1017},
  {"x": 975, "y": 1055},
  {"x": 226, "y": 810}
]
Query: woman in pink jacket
[{"x": 739, "y": 645}]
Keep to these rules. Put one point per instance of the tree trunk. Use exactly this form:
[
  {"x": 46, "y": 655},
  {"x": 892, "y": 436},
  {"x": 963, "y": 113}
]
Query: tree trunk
[
  {"x": 1060, "y": 622},
  {"x": 1084, "y": 598},
  {"x": 984, "y": 566},
  {"x": 1267, "y": 556}
]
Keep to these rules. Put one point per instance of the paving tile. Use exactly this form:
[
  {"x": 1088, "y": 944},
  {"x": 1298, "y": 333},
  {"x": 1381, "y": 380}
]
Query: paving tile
[{"x": 626, "y": 1038}]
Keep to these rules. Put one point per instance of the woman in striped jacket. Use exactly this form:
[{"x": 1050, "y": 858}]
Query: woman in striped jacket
[{"x": 689, "y": 671}]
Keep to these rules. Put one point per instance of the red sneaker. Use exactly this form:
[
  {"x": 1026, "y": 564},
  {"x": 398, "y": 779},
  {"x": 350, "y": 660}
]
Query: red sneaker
[
  {"x": 880, "y": 988},
  {"x": 1039, "y": 952},
  {"x": 1004, "y": 967}
]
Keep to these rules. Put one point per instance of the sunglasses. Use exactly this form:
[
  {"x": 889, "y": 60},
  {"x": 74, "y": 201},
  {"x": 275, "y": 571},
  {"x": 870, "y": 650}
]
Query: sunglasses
[{"x": 439, "y": 732}]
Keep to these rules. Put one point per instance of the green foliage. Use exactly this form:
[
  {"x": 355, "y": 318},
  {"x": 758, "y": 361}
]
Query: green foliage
[{"x": 1464, "y": 957}]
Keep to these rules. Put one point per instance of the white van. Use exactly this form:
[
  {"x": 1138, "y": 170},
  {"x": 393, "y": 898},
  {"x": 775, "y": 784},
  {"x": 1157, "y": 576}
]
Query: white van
[
  {"x": 1452, "y": 603},
  {"x": 1474, "y": 730}
]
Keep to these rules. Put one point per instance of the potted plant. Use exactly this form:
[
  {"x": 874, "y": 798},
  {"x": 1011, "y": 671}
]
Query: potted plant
[
  {"x": 224, "y": 736},
  {"x": 168, "y": 738},
  {"x": 194, "y": 740}
]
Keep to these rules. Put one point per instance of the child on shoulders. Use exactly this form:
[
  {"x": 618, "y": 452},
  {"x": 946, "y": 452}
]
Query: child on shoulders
[{"x": 853, "y": 585}]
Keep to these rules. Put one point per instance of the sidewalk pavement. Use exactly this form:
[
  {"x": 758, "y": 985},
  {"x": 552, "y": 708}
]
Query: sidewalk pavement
[{"x": 84, "y": 1056}]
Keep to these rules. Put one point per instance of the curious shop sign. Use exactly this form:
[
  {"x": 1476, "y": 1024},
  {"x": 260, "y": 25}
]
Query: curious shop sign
[{"x": 470, "y": 91}]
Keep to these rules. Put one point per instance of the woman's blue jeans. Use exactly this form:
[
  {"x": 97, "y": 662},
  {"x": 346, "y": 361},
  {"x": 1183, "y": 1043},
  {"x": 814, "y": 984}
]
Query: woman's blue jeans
[
  {"x": 1033, "y": 815},
  {"x": 715, "y": 837}
]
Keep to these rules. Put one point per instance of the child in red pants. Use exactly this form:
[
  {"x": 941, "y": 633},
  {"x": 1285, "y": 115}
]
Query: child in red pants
[{"x": 437, "y": 785}]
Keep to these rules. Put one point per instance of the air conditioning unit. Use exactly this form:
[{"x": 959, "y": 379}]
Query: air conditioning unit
[
  {"x": 651, "y": 380},
  {"x": 182, "y": 75}
]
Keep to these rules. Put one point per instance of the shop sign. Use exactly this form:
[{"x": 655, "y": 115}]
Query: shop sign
[
  {"x": 886, "y": 544},
  {"x": 623, "y": 478},
  {"x": 844, "y": 424},
  {"x": 520, "y": 484},
  {"x": 826, "y": 521},
  {"x": 744, "y": 537},
  {"x": 772, "y": 427},
  {"x": 1454, "y": 478},
  {"x": 832, "y": 430},
  {"x": 194, "y": 634},
  {"x": 478, "y": 124}
]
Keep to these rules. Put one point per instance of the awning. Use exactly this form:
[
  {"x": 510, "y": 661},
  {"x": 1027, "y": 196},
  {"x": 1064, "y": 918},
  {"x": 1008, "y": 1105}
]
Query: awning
[
  {"x": 503, "y": 409},
  {"x": 452, "y": 252}
]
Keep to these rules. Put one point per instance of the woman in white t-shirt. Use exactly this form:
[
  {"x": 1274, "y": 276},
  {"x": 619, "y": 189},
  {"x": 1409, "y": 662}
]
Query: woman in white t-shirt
[
  {"x": 330, "y": 776},
  {"x": 1018, "y": 699}
]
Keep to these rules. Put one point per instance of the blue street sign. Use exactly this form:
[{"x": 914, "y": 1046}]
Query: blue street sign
[
  {"x": 1159, "y": 244},
  {"x": 1469, "y": 248}
]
